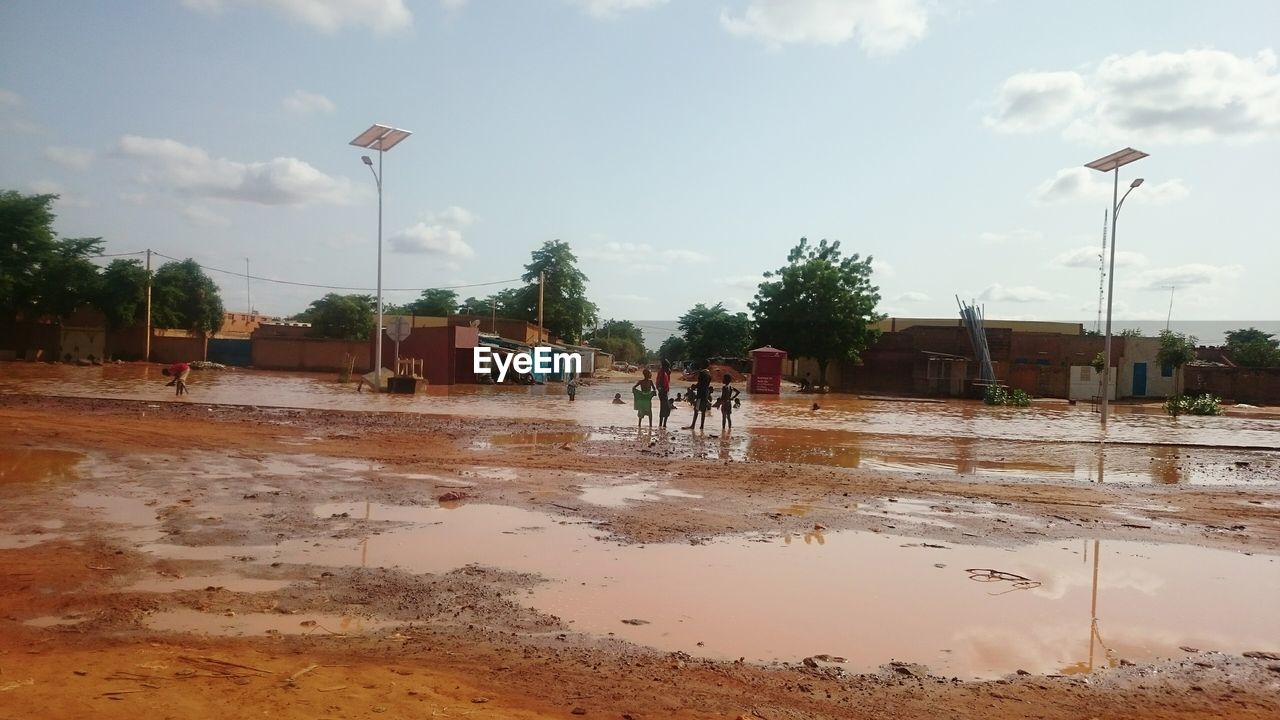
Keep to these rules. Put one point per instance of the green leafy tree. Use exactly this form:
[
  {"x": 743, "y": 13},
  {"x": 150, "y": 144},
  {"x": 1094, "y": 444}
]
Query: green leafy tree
[
  {"x": 343, "y": 317},
  {"x": 39, "y": 272},
  {"x": 620, "y": 338},
  {"x": 432, "y": 303},
  {"x": 566, "y": 309},
  {"x": 182, "y": 296},
  {"x": 1251, "y": 347},
  {"x": 1130, "y": 332},
  {"x": 1176, "y": 350},
  {"x": 674, "y": 349},
  {"x": 715, "y": 332},
  {"x": 820, "y": 305},
  {"x": 122, "y": 296},
  {"x": 473, "y": 306}
]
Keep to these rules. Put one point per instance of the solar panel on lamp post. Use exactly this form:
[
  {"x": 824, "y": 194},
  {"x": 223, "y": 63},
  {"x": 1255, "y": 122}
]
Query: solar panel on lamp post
[
  {"x": 1112, "y": 163},
  {"x": 381, "y": 138}
]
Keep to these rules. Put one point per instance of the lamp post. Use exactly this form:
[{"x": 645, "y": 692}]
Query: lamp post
[
  {"x": 1112, "y": 163},
  {"x": 381, "y": 138}
]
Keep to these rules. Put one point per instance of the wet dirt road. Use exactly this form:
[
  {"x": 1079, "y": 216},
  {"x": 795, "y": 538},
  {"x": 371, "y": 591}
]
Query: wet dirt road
[{"x": 578, "y": 566}]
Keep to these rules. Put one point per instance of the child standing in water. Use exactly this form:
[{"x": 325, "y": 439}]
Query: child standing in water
[
  {"x": 728, "y": 394},
  {"x": 572, "y": 386},
  {"x": 642, "y": 393},
  {"x": 701, "y": 395}
]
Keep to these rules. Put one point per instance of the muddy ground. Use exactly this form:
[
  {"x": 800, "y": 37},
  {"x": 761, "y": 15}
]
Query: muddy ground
[{"x": 461, "y": 643}]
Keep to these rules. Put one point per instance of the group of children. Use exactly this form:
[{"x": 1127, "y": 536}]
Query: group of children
[{"x": 699, "y": 395}]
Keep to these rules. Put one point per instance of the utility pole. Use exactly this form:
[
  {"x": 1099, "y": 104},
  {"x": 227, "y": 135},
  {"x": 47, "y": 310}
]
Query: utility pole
[
  {"x": 1169, "y": 317},
  {"x": 248, "y": 288},
  {"x": 146, "y": 352},
  {"x": 542, "y": 281}
]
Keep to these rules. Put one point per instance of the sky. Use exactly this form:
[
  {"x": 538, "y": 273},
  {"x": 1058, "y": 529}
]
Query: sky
[{"x": 681, "y": 147}]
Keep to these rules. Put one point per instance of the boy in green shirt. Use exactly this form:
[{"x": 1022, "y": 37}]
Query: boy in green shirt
[{"x": 642, "y": 394}]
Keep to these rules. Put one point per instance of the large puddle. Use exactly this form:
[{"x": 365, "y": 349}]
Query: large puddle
[
  {"x": 1056, "y": 422},
  {"x": 969, "y": 611},
  {"x": 23, "y": 465}
]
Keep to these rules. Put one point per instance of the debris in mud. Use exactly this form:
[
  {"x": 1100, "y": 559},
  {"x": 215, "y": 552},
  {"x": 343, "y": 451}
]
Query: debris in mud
[
  {"x": 453, "y": 496},
  {"x": 1262, "y": 655},
  {"x": 635, "y": 621}
]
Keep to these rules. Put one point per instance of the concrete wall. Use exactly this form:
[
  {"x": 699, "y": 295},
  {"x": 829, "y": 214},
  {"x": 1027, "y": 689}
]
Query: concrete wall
[
  {"x": 1256, "y": 386},
  {"x": 313, "y": 354},
  {"x": 446, "y": 352},
  {"x": 1086, "y": 384},
  {"x": 895, "y": 324},
  {"x": 1143, "y": 350}
]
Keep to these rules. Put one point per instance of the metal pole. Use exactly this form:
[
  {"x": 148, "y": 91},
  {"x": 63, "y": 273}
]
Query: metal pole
[
  {"x": 378, "y": 329},
  {"x": 1111, "y": 282},
  {"x": 542, "y": 277},
  {"x": 1169, "y": 318},
  {"x": 146, "y": 343},
  {"x": 1093, "y": 605}
]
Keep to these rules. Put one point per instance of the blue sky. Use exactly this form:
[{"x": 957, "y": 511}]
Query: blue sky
[{"x": 681, "y": 147}]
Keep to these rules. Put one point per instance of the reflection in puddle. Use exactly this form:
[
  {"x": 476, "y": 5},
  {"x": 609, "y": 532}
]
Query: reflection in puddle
[
  {"x": 194, "y": 621},
  {"x": 865, "y": 596},
  {"x": 31, "y": 464},
  {"x": 620, "y": 495}
]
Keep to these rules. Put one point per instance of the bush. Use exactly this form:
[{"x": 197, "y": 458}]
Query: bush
[
  {"x": 1193, "y": 405},
  {"x": 998, "y": 395}
]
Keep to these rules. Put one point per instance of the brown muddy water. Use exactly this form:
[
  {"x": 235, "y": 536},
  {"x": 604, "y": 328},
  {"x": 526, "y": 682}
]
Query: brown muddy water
[
  {"x": 963, "y": 610},
  {"x": 1048, "y": 422}
]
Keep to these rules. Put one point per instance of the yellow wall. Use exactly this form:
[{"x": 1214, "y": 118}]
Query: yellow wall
[{"x": 1060, "y": 328}]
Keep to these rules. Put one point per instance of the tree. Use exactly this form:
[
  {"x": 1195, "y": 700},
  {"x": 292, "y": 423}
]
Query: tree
[
  {"x": 674, "y": 349},
  {"x": 1252, "y": 347},
  {"x": 1176, "y": 350},
  {"x": 122, "y": 296},
  {"x": 620, "y": 338},
  {"x": 566, "y": 309},
  {"x": 715, "y": 332},
  {"x": 182, "y": 296},
  {"x": 1130, "y": 332},
  {"x": 344, "y": 317},
  {"x": 40, "y": 273},
  {"x": 432, "y": 303},
  {"x": 819, "y": 305}
]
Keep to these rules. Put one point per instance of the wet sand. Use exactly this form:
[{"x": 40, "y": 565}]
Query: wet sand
[{"x": 776, "y": 573}]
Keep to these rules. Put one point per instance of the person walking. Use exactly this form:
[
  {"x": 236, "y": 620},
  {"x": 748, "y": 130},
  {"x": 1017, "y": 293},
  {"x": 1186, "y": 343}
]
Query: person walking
[
  {"x": 572, "y": 386},
  {"x": 701, "y": 400},
  {"x": 664, "y": 392}
]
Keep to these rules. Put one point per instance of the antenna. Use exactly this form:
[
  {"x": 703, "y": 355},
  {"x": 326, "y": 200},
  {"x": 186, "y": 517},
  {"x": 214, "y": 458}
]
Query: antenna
[
  {"x": 1170, "y": 315},
  {"x": 1102, "y": 273}
]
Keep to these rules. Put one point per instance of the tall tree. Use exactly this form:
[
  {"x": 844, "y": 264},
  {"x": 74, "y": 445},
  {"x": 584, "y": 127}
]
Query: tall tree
[
  {"x": 40, "y": 273},
  {"x": 819, "y": 305},
  {"x": 1176, "y": 350},
  {"x": 182, "y": 296},
  {"x": 566, "y": 309},
  {"x": 344, "y": 317},
  {"x": 715, "y": 332},
  {"x": 1251, "y": 347},
  {"x": 620, "y": 338},
  {"x": 432, "y": 303},
  {"x": 122, "y": 296},
  {"x": 674, "y": 349}
]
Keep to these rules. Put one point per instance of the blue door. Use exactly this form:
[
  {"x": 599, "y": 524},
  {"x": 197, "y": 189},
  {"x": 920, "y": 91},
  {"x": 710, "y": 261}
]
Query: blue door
[{"x": 1139, "y": 379}]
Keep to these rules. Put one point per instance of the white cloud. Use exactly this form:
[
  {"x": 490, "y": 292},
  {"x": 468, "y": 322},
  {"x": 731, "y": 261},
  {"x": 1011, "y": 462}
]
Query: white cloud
[
  {"x": 631, "y": 298},
  {"x": 1015, "y": 236},
  {"x": 72, "y": 158},
  {"x": 65, "y": 199},
  {"x": 613, "y": 8},
  {"x": 453, "y": 5},
  {"x": 1190, "y": 96},
  {"x": 453, "y": 215},
  {"x": 303, "y": 102},
  {"x": 279, "y": 181},
  {"x": 200, "y": 215},
  {"x": 1021, "y": 294},
  {"x": 912, "y": 296},
  {"x": 424, "y": 239},
  {"x": 9, "y": 99},
  {"x": 880, "y": 26},
  {"x": 1185, "y": 276},
  {"x": 684, "y": 256},
  {"x": 1081, "y": 183},
  {"x": 1087, "y": 257},
  {"x": 1035, "y": 100},
  {"x": 133, "y": 198},
  {"x": 324, "y": 15}
]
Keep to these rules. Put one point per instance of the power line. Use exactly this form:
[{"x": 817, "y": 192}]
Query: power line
[{"x": 338, "y": 287}]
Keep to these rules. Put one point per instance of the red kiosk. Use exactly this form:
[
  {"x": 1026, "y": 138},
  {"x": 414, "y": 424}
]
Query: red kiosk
[{"x": 766, "y": 369}]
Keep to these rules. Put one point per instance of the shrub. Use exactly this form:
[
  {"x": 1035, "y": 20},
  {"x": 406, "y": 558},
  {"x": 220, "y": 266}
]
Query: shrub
[
  {"x": 998, "y": 395},
  {"x": 1193, "y": 405}
]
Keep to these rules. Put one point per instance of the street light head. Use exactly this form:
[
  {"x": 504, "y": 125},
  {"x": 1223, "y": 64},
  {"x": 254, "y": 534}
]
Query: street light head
[
  {"x": 366, "y": 160},
  {"x": 1135, "y": 183}
]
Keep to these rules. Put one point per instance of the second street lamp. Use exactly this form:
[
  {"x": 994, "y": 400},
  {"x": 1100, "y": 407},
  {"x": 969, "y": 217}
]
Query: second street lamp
[
  {"x": 381, "y": 138},
  {"x": 1112, "y": 163}
]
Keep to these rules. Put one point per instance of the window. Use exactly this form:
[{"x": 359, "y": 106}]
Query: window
[{"x": 1166, "y": 370}]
